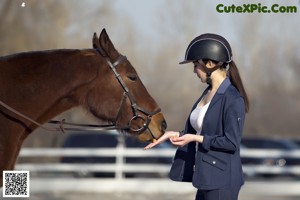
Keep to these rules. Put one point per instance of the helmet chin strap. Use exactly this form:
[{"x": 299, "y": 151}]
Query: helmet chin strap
[{"x": 209, "y": 71}]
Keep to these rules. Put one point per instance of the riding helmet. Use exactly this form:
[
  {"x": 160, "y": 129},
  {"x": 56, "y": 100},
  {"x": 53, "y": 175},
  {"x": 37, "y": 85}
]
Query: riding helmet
[{"x": 208, "y": 47}]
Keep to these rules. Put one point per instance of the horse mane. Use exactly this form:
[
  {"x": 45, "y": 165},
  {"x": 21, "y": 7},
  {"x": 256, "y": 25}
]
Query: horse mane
[{"x": 40, "y": 53}]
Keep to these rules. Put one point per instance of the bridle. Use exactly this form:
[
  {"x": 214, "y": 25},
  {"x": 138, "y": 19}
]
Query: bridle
[
  {"x": 135, "y": 108},
  {"x": 112, "y": 126}
]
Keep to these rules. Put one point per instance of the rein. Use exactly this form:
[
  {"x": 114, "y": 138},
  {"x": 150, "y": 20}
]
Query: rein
[
  {"x": 62, "y": 123},
  {"x": 92, "y": 127}
]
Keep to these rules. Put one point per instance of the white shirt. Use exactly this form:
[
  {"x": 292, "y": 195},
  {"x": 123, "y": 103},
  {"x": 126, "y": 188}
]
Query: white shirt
[{"x": 197, "y": 117}]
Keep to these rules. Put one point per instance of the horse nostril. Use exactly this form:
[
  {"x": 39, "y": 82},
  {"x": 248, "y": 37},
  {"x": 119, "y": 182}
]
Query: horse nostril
[{"x": 164, "y": 125}]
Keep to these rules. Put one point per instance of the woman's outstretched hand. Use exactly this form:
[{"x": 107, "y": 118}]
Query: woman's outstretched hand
[{"x": 164, "y": 137}]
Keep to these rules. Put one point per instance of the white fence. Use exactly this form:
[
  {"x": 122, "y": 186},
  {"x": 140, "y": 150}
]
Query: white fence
[
  {"x": 50, "y": 176},
  {"x": 120, "y": 167}
]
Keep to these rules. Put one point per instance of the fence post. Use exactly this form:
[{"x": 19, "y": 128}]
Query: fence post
[{"x": 119, "y": 173}]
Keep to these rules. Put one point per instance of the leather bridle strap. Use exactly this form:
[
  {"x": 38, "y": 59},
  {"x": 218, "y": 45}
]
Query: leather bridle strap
[
  {"x": 62, "y": 123},
  {"x": 135, "y": 107},
  {"x": 209, "y": 71},
  {"x": 28, "y": 119}
]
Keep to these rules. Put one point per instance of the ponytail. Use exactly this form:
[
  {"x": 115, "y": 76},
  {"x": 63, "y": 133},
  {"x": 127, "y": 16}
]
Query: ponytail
[{"x": 236, "y": 80}]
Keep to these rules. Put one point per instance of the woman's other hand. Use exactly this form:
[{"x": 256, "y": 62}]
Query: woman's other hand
[{"x": 185, "y": 139}]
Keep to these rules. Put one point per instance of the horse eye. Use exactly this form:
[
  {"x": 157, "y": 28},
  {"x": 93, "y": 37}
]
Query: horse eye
[{"x": 133, "y": 77}]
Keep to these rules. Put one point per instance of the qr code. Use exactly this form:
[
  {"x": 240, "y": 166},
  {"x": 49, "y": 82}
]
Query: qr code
[{"x": 15, "y": 183}]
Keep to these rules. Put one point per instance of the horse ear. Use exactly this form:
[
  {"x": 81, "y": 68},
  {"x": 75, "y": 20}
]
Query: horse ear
[
  {"x": 96, "y": 43},
  {"x": 106, "y": 43}
]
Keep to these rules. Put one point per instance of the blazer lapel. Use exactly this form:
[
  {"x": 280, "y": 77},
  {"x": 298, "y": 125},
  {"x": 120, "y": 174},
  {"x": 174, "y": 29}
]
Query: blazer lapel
[{"x": 220, "y": 92}]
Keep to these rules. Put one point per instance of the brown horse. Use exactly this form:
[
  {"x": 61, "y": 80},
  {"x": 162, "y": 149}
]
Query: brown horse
[{"x": 43, "y": 84}]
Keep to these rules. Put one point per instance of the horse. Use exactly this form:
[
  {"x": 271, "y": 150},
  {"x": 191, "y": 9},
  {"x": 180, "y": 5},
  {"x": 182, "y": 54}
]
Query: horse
[{"x": 36, "y": 86}]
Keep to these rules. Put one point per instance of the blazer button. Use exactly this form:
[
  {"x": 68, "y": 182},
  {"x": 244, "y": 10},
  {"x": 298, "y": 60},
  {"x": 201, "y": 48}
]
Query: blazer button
[{"x": 214, "y": 162}]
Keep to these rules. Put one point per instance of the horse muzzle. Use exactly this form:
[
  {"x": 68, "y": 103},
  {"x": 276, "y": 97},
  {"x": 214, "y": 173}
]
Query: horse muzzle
[{"x": 154, "y": 127}]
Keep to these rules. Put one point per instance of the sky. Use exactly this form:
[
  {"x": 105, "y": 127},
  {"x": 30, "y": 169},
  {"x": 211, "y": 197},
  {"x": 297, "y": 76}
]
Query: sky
[{"x": 143, "y": 13}]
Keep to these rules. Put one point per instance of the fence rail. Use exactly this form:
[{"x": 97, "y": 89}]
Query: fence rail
[
  {"x": 135, "y": 152},
  {"x": 120, "y": 167}
]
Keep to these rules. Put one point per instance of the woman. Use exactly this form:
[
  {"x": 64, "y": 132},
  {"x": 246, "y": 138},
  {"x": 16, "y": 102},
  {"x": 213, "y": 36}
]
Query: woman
[{"x": 208, "y": 153}]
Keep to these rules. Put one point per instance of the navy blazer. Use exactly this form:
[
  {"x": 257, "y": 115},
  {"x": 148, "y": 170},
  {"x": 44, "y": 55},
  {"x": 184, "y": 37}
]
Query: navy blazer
[{"x": 217, "y": 163}]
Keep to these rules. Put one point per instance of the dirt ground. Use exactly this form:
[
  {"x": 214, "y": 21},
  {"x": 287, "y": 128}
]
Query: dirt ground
[{"x": 133, "y": 196}]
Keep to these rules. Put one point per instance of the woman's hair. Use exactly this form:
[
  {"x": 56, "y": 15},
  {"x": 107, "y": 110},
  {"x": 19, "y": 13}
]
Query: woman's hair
[{"x": 236, "y": 80}]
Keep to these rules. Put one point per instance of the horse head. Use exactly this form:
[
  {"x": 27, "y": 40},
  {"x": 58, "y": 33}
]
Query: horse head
[{"x": 124, "y": 99}]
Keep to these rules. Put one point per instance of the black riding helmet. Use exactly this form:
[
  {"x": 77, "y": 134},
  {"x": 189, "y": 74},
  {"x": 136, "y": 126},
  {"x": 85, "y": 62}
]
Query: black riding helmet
[{"x": 209, "y": 47}]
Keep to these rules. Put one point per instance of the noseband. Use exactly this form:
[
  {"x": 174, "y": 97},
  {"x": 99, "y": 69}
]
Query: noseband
[{"x": 135, "y": 108}]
